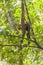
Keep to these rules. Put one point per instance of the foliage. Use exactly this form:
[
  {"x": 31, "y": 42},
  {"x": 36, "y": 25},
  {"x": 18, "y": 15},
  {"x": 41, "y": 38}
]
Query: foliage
[{"x": 30, "y": 56}]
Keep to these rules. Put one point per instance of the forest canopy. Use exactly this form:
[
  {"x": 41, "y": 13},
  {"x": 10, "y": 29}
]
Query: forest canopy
[{"x": 21, "y": 32}]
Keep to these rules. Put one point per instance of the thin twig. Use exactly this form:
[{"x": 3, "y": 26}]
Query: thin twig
[{"x": 9, "y": 45}]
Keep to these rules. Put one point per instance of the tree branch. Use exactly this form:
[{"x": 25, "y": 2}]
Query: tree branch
[
  {"x": 10, "y": 20},
  {"x": 31, "y": 26},
  {"x": 25, "y": 45},
  {"x": 18, "y": 45}
]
